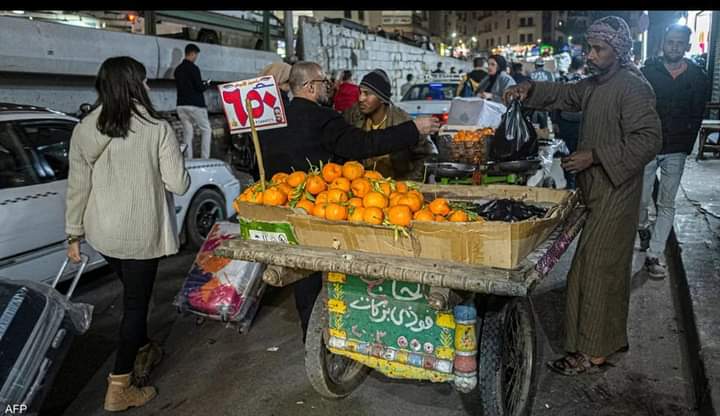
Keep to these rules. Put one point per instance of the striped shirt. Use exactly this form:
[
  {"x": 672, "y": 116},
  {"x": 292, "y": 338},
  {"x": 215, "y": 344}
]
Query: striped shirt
[{"x": 119, "y": 190}]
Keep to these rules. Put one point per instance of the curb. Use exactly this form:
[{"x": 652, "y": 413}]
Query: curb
[{"x": 701, "y": 387}]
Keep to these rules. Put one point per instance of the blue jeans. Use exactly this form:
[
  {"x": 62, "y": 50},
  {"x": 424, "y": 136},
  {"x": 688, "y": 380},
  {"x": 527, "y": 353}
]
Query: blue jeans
[{"x": 671, "y": 169}]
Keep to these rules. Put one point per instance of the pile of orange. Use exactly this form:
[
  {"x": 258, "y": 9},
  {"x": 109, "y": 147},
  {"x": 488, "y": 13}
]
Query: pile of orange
[
  {"x": 472, "y": 135},
  {"x": 350, "y": 193}
]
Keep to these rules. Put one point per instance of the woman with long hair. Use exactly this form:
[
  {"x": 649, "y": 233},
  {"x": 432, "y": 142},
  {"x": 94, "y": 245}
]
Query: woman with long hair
[
  {"x": 497, "y": 81},
  {"x": 125, "y": 163}
]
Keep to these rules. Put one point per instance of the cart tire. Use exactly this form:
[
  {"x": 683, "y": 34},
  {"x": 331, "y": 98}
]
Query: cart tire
[
  {"x": 321, "y": 365},
  {"x": 507, "y": 357}
]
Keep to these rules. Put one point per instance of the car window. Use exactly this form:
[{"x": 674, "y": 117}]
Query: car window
[
  {"x": 431, "y": 91},
  {"x": 16, "y": 168},
  {"x": 48, "y": 142}
]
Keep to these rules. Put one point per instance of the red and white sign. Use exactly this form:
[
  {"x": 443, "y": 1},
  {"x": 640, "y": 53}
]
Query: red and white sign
[{"x": 265, "y": 102}]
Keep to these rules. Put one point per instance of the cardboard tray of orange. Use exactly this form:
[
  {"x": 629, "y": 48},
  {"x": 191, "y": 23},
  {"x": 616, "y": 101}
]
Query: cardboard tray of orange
[{"x": 488, "y": 243}]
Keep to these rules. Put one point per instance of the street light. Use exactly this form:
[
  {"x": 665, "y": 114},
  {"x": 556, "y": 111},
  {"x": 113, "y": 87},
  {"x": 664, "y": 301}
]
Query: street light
[
  {"x": 454, "y": 35},
  {"x": 474, "y": 39}
]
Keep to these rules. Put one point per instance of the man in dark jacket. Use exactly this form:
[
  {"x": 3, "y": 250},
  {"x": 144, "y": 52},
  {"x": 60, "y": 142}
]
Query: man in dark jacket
[
  {"x": 191, "y": 107},
  {"x": 318, "y": 133},
  {"x": 469, "y": 85},
  {"x": 681, "y": 90}
]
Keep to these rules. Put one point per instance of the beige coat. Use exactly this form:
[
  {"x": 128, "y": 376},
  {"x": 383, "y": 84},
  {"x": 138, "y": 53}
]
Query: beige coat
[{"x": 117, "y": 194}]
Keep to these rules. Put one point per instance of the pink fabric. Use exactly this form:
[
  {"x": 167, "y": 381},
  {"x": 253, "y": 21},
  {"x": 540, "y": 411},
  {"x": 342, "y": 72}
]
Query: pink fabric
[{"x": 346, "y": 96}]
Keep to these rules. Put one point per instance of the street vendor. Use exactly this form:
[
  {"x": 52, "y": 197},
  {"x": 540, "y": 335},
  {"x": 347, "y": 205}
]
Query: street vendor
[
  {"x": 316, "y": 133},
  {"x": 620, "y": 134},
  {"x": 375, "y": 111}
]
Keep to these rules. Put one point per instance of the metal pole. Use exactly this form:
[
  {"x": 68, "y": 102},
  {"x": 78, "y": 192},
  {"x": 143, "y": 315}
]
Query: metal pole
[
  {"x": 149, "y": 18},
  {"x": 266, "y": 30},
  {"x": 289, "y": 34}
]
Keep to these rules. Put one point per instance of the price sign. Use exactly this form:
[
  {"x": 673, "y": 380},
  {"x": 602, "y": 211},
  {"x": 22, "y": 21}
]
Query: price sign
[{"x": 266, "y": 104}]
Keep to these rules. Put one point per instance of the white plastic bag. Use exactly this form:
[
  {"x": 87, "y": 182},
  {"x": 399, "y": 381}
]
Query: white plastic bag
[{"x": 475, "y": 112}]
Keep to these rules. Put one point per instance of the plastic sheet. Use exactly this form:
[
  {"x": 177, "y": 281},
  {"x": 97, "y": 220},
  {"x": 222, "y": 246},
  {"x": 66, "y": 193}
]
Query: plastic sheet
[
  {"x": 475, "y": 112},
  {"x": 509, "y": 210},
  {"x": 218, "y": 287}
]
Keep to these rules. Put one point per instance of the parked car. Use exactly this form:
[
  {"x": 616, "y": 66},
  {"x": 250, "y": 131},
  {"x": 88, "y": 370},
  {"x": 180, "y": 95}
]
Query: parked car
[
  {"x": 430, "y": 98},
  {"x": 34, "y": 145}
]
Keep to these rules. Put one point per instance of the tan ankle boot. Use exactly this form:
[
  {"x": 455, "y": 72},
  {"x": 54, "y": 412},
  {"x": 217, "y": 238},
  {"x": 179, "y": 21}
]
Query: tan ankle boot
[
  {"x": 121, "y": 394},
  {"x": 148, "y": 357}
]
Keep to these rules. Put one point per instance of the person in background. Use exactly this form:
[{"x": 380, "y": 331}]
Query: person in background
[
  {"x": 125, "y": 164},
  {"x": 540, "y": 74},
  {"x": 681, "y": 89},
  {"x": 568, "y": 122},
  {"x": 471, "y": 81},
  {"x": 621, "y": 133},
  {"x": 439, "y": 70},
  {"x": 191, "y": 108},
  {"x": 374, "y": 111},
  {"x": 494, "y": 85},
  {"x": 315, "y": 133},
  {"x": 452, "y": 70},
  {"x": 563, "y": 60},
  {"x": 406, "y": 86},
  {"x": 516, "y": 71},
  {"x": 347, "y": 93},
  {"x": 281, "y": 72}
]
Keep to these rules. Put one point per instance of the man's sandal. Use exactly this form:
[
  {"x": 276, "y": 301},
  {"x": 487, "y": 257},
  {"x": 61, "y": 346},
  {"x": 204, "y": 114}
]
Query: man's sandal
[{"x": 576, "y": 363}]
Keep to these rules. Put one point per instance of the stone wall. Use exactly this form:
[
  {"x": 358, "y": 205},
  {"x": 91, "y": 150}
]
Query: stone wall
[{"x": 338, "y": 48}]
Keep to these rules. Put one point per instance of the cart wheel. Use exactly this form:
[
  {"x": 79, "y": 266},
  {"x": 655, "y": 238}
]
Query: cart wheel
[
  {"x": 507, "y": 357},
  {"x": 332, "y": 376}
]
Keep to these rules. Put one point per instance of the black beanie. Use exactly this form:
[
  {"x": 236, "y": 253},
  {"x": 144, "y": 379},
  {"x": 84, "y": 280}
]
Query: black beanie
[{"x": 378, "y": 82}]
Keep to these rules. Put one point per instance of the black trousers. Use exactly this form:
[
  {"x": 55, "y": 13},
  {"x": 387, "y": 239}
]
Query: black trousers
[
  {"x": 138, "y": 278},
  {"x": 306, "y": 291}
]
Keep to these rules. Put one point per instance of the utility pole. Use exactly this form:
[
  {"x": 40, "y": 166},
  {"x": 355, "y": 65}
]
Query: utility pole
[
  {"x": 266, "y": 30},
  {"x": 289, "y": 34}
]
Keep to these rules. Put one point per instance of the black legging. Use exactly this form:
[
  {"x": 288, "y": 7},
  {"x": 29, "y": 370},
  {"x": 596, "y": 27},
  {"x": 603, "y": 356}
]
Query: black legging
[{"x": 138, "y": 278}]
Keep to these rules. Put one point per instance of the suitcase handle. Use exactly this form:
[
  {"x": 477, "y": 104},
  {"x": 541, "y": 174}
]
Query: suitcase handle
[{"x": 83, "y": 263}]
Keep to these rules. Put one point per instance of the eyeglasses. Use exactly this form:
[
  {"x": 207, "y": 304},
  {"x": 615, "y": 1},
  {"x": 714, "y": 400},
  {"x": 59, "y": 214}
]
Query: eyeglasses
[{"x": 325, "y": 81}]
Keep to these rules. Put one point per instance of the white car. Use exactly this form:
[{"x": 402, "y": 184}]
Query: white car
[
  {"x": 34, "y": 144},
  {"x": 430, "y": 98}
]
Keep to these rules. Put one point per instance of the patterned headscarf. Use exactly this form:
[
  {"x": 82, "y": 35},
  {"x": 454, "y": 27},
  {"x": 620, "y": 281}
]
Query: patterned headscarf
[{"x": 615, "y": 32}]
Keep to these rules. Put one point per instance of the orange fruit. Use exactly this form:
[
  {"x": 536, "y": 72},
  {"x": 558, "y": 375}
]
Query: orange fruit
[
  {"x": 336, "y": 212},
  {"x": 331, "y": 171},
  {"x": 440, "y": 218},
  {"x": 401, "y": 187},
  {"x": 440, "y": 206},
  {"x": 335, "y": 196},
  {"x": 274, "y": 197},
  {"x": 375, "y": 199},
  {"x": 357, "y": 214},
  {"x": 459, "y": 216},
  {"x": 423, "y": 215},
  {"x": 373, "y": 174},
  {"x": 418, "y": 194},
  {"x": 356, "y": 202},
  {"x": 385, "y": 188},
  {"x": 321, "y": 198},
  {"x": 395, "y": 197},
  {"x": 400, "y": 215},
  {"x": 279, "y": 177},
  {"x": 305, "y": 204},
  {"x": 315, "y": 184},
  {"x": 296, "y": 178},
  {"x": 319, "y": 210},
  {"x": 255, "y": 197},
  {"x": 286, "y": 189},
  {"x": 373, "y": 215},
  {"x": 410, "y": 201},
  {"x": 244, "y": 196},
  {"x": 341, "y": 183},
  {"x": 353, "y": 170},
  {"x": 360, "y": 187}
]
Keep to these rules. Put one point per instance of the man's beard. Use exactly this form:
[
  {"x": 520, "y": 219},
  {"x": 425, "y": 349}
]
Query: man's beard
[
  {"x": 324, "y": 100},
  {"x": 596, "y": 70},
  {"x": 672, "y": 60}
]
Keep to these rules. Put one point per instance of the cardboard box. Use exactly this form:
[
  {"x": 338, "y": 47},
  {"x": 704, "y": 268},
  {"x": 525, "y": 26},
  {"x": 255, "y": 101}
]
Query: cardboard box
[
  {"x": 490, "y": 243},
  {"x": 265, "y": 223}
]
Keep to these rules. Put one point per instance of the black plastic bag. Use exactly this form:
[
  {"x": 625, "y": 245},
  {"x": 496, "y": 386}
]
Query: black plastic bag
[
  {"x": 509, "y": 210},
  {"x": 515, "y": 137}
]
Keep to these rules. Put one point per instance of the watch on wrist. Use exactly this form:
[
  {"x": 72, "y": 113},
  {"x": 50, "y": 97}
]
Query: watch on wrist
[{"x": 73, "y": 239}]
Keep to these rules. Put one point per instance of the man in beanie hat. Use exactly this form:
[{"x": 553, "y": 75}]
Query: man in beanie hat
[
  {"x": 620, "y": 134},
  {"x": 375, "y": 111}
]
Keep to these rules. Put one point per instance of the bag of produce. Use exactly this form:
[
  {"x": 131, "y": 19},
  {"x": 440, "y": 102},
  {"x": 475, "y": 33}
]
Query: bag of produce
[{"x": 515, "y": 137}]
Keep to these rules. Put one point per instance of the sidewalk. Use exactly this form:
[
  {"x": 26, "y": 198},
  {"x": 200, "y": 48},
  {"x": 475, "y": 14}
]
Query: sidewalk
[{"x": 694, "y": 252}]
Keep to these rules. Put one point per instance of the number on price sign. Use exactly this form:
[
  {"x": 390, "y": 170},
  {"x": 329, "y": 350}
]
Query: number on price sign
[{"x": 266, "y": 104}]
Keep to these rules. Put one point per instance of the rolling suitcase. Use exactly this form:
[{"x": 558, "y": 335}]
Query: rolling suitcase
[{"x": 37, "y": 326}]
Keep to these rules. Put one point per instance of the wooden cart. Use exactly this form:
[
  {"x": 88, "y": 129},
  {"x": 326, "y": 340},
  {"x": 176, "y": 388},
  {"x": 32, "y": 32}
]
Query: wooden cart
[{"x": 416, "y": 318}]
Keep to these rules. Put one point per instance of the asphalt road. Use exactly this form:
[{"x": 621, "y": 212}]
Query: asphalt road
[{"x": 212, "y": 368}]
